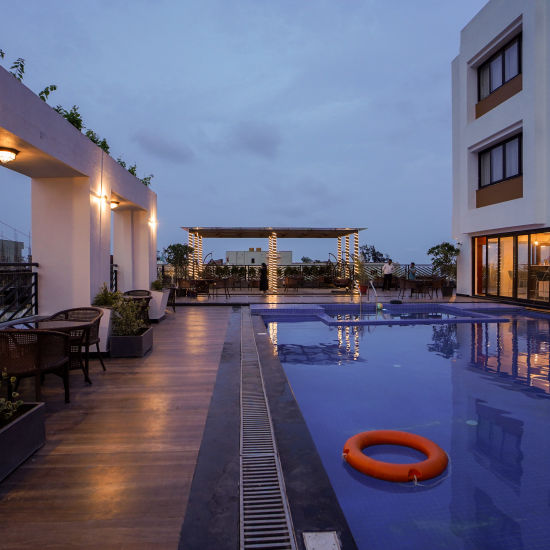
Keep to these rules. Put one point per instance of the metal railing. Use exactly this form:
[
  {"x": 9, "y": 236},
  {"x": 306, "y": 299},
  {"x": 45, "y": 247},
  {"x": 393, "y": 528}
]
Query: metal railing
[
  {"x": 18, "y": 290},
  {"x": 313, "y": 272},
  {"x": 113, "y": 278}
]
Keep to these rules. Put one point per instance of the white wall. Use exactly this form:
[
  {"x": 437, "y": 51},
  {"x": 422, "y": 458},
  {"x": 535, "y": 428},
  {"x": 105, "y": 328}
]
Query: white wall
[
  {"x": 71, "y": 221},
  {"x": 527, "y": 110}
]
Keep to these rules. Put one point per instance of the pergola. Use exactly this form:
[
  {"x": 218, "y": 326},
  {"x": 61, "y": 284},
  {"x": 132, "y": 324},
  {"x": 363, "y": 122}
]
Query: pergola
[{"x": 342, "y": 234}]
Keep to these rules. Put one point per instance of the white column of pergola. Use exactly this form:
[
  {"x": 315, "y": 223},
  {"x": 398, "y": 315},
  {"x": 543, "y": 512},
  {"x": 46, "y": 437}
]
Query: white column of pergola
[{"x": 272, "y": 263}]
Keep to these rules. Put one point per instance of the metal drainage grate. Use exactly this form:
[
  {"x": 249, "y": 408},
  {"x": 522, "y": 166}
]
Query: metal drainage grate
[{"x": 265, "y": 518}]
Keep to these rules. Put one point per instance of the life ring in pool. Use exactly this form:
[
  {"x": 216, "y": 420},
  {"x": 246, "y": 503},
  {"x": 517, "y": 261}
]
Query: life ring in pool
[{"x": 434, "y": 465}]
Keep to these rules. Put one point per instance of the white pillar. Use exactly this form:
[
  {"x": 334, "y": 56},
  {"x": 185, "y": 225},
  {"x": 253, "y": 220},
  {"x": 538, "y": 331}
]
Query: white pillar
[
  {"x": 339, "y": 256},
  {"x": 346, "y": 270},
  {"x": 123, "y": 245},
  {"x": 272, "y": 263},
  {"x": 134, "y": 248},
  {"x": 192, "y": 255},
  {"x": 63, "y": 212},
  {"x": 200, "y": 254}
]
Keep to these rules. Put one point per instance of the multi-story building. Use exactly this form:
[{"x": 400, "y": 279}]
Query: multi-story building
[
  {"x": 255, "y": 257},
  {"x": 501, "y": 160}
]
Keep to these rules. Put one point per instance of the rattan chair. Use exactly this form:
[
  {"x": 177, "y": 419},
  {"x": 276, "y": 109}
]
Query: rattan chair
[
  {"x": 138, "y": 293},
  {"x": 90, "y": 337},
  {"x": 25, "y": 353}
]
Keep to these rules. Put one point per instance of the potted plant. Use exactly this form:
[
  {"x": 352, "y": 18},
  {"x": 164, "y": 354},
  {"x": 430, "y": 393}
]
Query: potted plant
[
  {"x": 159, "y": 300},
  {"x": 22, "y": 430},
  {"x": 130, "y": 336},
  {"x": 444, "y": 261},
  {"x": 105, "y": 299}
]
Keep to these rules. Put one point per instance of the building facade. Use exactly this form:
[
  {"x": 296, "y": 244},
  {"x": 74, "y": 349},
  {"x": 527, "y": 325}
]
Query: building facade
[
  {"x": 255, "y": 256},
  {"x": 501, "y": 165}
]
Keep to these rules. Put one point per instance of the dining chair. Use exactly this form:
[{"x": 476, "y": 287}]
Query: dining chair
[
  {"x": 33, "y": 353},
  {"x": 90, "y": 336}
]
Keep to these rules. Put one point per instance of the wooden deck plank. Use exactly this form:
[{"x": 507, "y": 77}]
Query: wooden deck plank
[{"x": 119, "y": 459}]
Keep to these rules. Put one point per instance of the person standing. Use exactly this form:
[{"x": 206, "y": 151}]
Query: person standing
[
  {"x": 411, "y": 276},
  {"x": 263, "y": 278},
  {"x": 387, "y": 271}
]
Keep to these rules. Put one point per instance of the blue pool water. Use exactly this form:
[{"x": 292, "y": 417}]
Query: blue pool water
[{"x": 479, "y": 390}]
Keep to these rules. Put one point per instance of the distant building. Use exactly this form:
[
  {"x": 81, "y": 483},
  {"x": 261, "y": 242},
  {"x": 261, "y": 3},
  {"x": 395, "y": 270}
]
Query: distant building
[
  {"x": 255, "y": 257},
  {"x": 11, "y": 251}
]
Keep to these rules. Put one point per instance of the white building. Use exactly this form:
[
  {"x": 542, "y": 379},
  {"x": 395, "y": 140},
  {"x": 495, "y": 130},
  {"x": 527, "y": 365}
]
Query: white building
[
  {"x": 501, "y": 138},
  {"x": 255, "y": 257},
  {"x": 74, "y": 185}
]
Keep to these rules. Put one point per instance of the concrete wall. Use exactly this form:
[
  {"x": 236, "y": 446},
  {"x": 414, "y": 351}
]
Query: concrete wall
[
  {"x": 527, "y": 111},
  {"x": 73, "y": 182}
]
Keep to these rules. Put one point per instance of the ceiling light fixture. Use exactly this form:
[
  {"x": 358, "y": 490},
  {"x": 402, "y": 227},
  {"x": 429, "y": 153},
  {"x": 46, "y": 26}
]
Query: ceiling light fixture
[
  {"x": 7, "y": 154},
  {"x": 115, "y": 204}
]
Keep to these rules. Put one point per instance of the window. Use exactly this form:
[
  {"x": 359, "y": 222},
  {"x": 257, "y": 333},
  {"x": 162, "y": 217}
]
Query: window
[
  {"x": 500, "y": 162},
  {"x": 499, "y": 69}
]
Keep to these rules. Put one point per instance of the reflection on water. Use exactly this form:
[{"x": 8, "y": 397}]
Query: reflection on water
[
  {"x": 444, "y": 341},
  {"x": 346, "y": 349},
  {"x": 519, "y": 350}
]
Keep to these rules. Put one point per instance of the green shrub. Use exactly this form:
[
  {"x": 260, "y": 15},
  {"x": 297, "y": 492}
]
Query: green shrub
[
  {"x": 126, "y": 317},
  {"x": 105, "y": 298},
  {"x": 156, "y": 285}
]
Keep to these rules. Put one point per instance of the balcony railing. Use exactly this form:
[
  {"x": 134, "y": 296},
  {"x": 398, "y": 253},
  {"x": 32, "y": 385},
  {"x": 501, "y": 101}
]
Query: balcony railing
[
  {"x": 18, "y": 290},
  {"x": 309, "y": 272}
]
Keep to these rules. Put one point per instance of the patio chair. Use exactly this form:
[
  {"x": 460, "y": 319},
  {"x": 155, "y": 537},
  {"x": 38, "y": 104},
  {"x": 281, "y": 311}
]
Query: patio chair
[
  {"x": 137, "y": 293},
  {"x": 90, "y": 336},
  {"x": 25, "y": 353}
]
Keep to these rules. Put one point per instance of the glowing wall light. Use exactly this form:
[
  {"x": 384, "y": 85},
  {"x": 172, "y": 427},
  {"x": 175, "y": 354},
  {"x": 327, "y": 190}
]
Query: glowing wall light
[{"x": 7, "y": 154}]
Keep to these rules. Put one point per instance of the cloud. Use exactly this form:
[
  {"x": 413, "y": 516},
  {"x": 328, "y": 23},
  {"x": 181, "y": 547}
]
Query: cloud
[
  {"x": 259, "y": 139},
  {"x": 164, "y": 148}
]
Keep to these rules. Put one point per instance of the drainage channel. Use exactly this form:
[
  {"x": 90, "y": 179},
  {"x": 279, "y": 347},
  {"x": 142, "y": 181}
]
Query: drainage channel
[{"x": 265, "y": 518}]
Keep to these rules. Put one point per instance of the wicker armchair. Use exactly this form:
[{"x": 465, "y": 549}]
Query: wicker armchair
[
  {"x": 25, "y": 353},
  {"x": 90, "y": 336},
  {"x": 137, "y": 293}
]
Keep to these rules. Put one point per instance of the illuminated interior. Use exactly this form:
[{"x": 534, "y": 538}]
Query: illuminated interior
[{"x": 513, "y": 266}]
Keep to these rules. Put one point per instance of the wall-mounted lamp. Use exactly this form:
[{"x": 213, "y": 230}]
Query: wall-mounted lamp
[
  {"x": 115, "y": 204},
  {"x": 153, "y": 222},
  {"x": 7, "y": 154}
]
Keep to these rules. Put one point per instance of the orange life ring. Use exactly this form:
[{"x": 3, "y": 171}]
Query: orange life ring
[{"x": 434, "y": 465}]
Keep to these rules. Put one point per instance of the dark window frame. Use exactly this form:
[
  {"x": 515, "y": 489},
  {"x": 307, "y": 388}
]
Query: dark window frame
[
  {"x": 500, "y": 53},
  {"x": 502, "y": 144}
]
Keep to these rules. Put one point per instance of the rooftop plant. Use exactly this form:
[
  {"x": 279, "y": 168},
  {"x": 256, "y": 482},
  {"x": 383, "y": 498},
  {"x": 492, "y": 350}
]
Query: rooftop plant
[
  {"x": 73, "y": 116},
  {"x": 444, "y": 259},
  {"x": 126, "y": 317},
  {"x": 8, "y": 407},
  {"x": 178, "y": 256},
  {"x": 105, "y": 297}
]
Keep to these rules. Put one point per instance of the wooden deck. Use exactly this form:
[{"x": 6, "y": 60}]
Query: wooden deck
[{"x": 118, "y": 463}]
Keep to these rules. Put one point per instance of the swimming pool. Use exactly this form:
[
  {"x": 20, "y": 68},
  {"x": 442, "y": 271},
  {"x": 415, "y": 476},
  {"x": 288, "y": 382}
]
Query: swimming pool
[{"x": 480, "y": 390}]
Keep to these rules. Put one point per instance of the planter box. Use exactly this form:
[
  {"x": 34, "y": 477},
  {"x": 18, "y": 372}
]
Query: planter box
[
  {"x": 131, "y": 346},
  {"x": 104, "y": 330},
  {"x": 22, "y": 437},
  {"x": 157, "y": 305}
]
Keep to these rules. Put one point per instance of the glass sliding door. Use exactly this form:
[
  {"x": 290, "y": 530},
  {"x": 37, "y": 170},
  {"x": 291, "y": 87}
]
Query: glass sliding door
[
  {"x": 506, "y": 267},
  {"x": 480, "y": 267},
  {"x": 539, "y": 270},
  {"x": 492, "y": 266},
  {"x": 523, "y": 266}
]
